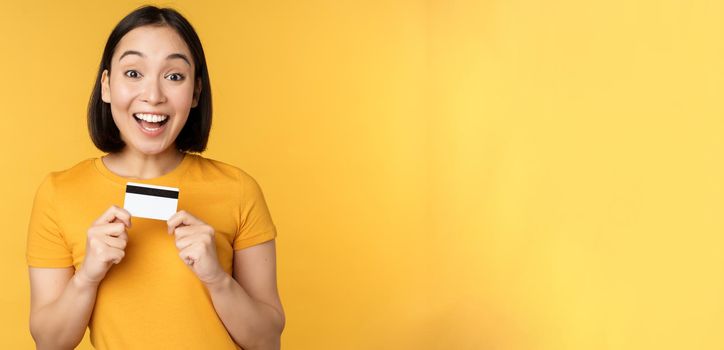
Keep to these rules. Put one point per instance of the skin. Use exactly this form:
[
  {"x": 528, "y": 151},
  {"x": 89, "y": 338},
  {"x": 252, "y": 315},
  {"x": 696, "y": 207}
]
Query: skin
[
  {"x": 62, "y": 300},
  {"x": 149, "y": 81}
]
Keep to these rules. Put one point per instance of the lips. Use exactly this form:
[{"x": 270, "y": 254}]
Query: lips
[{"x": 151, "y": 128}]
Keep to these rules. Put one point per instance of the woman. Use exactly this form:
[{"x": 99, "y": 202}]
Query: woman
[{"x": 203, "y": 279}]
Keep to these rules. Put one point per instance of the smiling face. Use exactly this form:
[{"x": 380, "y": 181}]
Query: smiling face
[{"x": 150, "y": 87}]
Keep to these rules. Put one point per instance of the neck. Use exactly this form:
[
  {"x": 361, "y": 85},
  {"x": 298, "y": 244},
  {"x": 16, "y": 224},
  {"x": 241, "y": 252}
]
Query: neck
[{"x": 137, "y": 165}]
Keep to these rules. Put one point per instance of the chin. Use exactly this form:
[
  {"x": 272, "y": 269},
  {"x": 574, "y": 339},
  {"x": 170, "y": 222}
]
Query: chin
[{"x": 150, "y": 150}]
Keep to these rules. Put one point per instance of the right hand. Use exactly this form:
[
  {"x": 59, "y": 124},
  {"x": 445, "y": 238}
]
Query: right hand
[{"x": 106, "y": 244}]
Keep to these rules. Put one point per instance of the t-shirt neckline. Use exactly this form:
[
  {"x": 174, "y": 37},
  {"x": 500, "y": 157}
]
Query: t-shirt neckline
[{"x": 170, "y": 178}]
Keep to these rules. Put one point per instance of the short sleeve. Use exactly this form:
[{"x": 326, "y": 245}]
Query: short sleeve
[
  {"x": 46, "y": 246},
  {"x": 255, "y": 222}
]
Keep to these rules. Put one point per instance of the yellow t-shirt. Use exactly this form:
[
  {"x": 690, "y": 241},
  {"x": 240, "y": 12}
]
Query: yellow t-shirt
[{"x": 151, "y": 300}]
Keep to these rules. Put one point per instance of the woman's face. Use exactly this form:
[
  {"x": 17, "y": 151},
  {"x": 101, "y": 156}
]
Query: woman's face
[{"x": 151, "y": 78}]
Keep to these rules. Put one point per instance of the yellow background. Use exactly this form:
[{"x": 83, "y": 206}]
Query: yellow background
[{"x": 443, "y": 174}]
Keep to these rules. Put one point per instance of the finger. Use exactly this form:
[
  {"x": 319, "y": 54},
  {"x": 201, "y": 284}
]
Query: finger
[
  {"x": 110, "y": 254},
  {"x": 114, "y": 242},
  {"x": 126, "y": 222},
  {"x": 115, "y": 255},
  {"x": 184, "y": 231},
  {"x": 182, "y": 244},
  {"x": 188, "y": 256},
  {"x": 181, "y": 217},
  {"x": 123, "y": 236},
  {"x": 113, "y": 213},
  {"x": 116, "y": 229}
]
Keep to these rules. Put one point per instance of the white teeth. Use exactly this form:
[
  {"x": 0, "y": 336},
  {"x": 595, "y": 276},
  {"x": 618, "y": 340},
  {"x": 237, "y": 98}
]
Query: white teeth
[{"x": 151, "y": 118}]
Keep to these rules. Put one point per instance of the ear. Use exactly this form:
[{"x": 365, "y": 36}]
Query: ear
[
  {"x": 197, "y": 93},
  {"x": 105, "y": 87}
]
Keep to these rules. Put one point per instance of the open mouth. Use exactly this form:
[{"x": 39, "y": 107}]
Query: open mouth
[{"x": 150, "y": 122}]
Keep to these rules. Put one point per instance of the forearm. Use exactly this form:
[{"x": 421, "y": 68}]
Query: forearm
[
  {"x": 253, "y": 325},
  {"x": 62, "y": 324}
]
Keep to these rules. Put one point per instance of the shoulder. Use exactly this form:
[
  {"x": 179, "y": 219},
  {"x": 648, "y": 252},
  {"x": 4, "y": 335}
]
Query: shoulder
[
  {"x": 232, "y": 180},
  {"x": 77, "y": 173},
  {"x": 216, "y": 170}
]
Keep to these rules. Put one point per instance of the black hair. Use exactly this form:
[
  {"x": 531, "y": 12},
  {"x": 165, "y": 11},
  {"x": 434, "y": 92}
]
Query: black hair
[{"x": 194, "y": 135}]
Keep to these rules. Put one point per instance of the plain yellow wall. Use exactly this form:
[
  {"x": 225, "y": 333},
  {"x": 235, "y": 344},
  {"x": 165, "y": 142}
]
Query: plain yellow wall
[{"x": 443, "y": 174}]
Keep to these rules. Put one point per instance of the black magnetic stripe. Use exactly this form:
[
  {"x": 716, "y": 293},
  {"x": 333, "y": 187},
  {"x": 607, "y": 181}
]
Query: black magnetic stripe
[{"x": 152, "y": 191}]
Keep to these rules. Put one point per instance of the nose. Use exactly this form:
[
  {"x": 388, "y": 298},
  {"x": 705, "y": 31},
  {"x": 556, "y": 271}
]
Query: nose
[{"x": 153, "y": 92}]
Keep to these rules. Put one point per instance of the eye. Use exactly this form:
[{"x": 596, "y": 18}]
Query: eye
[
  {"x": 131, "y": 73},
  {"x": 176, "y": 77}
]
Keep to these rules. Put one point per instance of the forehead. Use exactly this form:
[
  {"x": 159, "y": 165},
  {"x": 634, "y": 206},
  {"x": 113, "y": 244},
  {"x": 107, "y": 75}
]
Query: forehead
[{"x": 155, "y": 42}]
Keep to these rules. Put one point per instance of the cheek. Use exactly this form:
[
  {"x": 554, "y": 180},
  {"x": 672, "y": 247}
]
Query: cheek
[
  {"x": 122, "y": 94},
  {"x": 182, "y": 97}
]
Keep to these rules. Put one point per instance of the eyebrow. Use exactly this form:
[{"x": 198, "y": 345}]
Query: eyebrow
[{"x": 171, "y": 56}]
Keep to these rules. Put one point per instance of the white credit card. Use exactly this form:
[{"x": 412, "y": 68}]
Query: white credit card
[{"x": 150, "y": 201}]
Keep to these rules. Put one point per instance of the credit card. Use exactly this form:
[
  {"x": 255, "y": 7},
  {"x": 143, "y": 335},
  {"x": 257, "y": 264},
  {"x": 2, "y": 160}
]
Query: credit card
[{"x": 150, "y": 201}]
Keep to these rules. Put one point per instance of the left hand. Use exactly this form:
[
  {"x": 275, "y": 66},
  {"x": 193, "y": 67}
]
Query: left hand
[{"x": 197, "y": 245}]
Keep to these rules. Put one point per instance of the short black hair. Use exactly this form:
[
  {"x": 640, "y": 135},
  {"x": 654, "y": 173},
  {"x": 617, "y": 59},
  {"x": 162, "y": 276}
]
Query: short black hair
[{"x": 194, "y": 135}]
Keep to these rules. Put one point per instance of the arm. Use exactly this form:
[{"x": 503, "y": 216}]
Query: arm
[
  {"x": 62, "y": 299},
  {"x": 248, "y": 304},
  {"x": 61, "y": 304}
]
